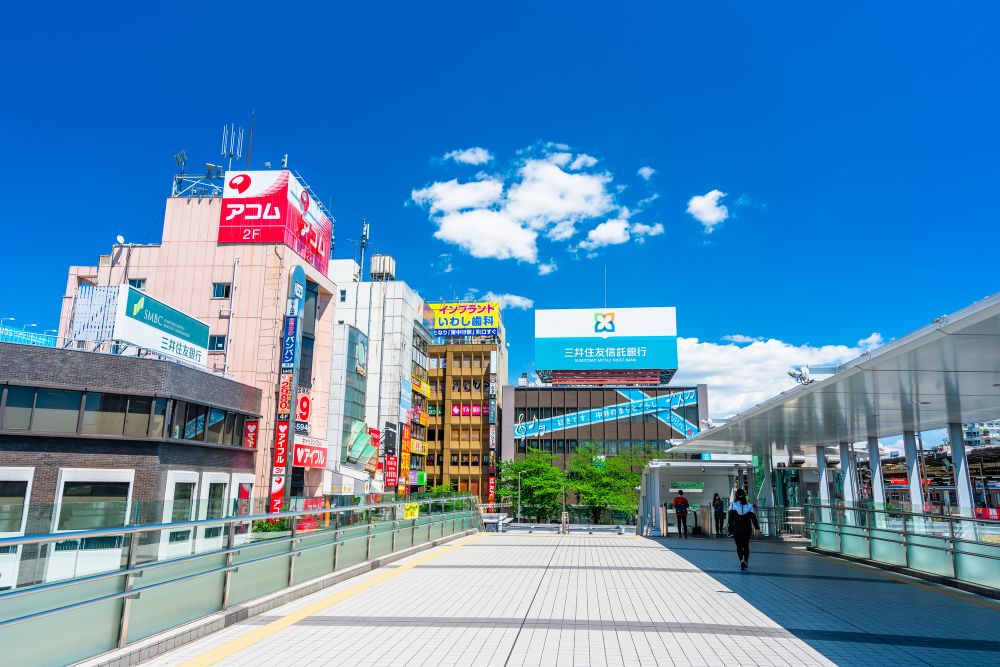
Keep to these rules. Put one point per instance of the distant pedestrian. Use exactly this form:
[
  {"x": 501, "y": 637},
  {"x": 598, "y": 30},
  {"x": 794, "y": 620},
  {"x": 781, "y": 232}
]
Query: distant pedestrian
[
  {"x": 681, "y": 506},
  {"x": 741, "y": 518},
  {"x": 719, "y": 508}
]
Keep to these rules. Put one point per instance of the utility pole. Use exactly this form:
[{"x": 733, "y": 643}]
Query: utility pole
[{"x": 519, "y": 496}]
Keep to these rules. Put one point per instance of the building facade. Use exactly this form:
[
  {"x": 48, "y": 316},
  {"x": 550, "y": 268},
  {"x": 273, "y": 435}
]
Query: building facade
[
  {"x": 238, "y": 283},
  {"x": 558, "y": 420},
  {"x": 90, "y": 440}
]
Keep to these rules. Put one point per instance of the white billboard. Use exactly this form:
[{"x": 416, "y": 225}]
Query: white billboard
[{"x": 143, "y": 321}]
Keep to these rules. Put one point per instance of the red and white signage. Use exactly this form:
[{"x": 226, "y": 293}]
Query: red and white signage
[
  {"x": 250, "y": 427},
  {"x": 304, "y": 407},
  {"x": 277, "y": 493},
  {"x": 285, "y": 396},
  {"x": 310, "y": 452},
  {"x": 273, "y": 207},
  {"x": 491, "y": 488},
  {"x": 391, "y": 471},
  {"x": 280, "y": 448}
]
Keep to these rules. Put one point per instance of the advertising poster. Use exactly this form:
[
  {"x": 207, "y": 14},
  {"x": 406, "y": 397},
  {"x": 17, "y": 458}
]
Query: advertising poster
[
  {"x": 491, "y": 489},
  {"x": 285, "y": 396},
  {"x": 466, "y": 409},
  {"x": 465, "y": 319},
  {"x": 273, "y": 207},
  {"x": 477, "y": 410},
  {"x": 250, "y": 427},
  {"x": 391, "y": 470},
  {"x": 143, "y": 321},
  {"x": 310, "y": 452},
  {"x": 411, "y": 511},
  {"x": 606, "y": 338},
  {"x": 455, "y": 410}
]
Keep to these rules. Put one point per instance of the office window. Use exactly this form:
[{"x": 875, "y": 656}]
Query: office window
[
  {"x": 93, "y": 505},
  {"x": 227, "y": 438},
  {"x": 183, "y": 501},
  {"x": 194, "y": 424},
  {"x": 440, "y": 459},
  {"x": 475, "y": 459},
  {"x": 104, "y": 414},
  {"x": 12, "y": 495},
  {"x": 560, "y": 446},
  {"x": 306, "y": 361},
  {"x": 18, "y": 414},
  {"x": 159, "y": 417},
  {"x": 221, "y": 290},
  {"x": 454, "y": 459},
  {"x": 56, "y": 411},
  {"x": 465, "y": 458},
  {"x": 216, "y": 343},
  {"x": 343, "y": 296},
  {"x": 137, "y": 419},
  {"x": 216, "y": 500},
  {"x": 138, "y": 283},
  {"x": 521, "y": 447},
  {"x": 216, "y": 426}
]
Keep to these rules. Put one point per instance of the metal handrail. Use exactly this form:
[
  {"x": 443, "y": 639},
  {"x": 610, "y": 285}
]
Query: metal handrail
[
  {"x": 134, "y": 592},
  {"x": 194, "y": 523},
  {"x": 862, "y": 508}
]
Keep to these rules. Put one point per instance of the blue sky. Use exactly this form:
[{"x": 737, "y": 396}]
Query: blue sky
[{"x": 856, "y": 147}]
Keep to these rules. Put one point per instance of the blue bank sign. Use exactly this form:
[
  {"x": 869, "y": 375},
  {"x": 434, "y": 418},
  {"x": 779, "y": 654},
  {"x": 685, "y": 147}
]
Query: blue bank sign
[{"x": 606, "y": 339}]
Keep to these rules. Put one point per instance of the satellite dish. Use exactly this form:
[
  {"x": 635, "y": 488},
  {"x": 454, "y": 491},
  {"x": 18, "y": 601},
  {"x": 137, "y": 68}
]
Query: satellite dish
[{"x": 120, "y": 239}]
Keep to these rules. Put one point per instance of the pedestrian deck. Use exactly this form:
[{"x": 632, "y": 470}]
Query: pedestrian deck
[{"x": 519, "y": 599}]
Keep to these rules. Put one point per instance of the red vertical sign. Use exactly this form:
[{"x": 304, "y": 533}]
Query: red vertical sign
[
  {"x": 391, "y": 471},
  {"x": 250, "y": 427},
  {"x": 280, "y": 466}
]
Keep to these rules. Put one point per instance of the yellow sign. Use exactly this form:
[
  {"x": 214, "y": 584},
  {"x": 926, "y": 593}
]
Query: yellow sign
[
  {"x": 421, "y": 387},
  {"x": 411, "y": 511},
  {"x": 418, "y": 446},
  {"x": 480, "y": 318}
]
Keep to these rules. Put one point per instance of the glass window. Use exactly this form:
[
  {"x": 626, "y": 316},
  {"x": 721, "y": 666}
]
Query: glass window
[
  {"x": 137, "y": 420},
  {"x": 104, "y": 414},
  {"x": 309, "y": 309},
  {"x": 475, "y": 459},
  {"x": 92, "y": 505},
  {"x": 221, "y": 290},
  {"x": 216, "y": 426},
  {"x": 12, "y": 496},
  {"x": 306, "y": 361},
  {"x": 56, "y": 411},
  {"x": 465, "y": 458},
  {"x": 183, "y": 501},
  {"x": 227, "y": 437},
  {"x": 18, "y": 414},
  {"x": 216, "y": 500},
  {"x": 521, "y": 448},
  {"x": 159, "y": 417},
  {"x": 454, "y": 459},
  {"x": 216, "y": 343},
  {"x": 138, "y": 283},
  {"x": 194, "y": 424},
  {"x": 178, "y": 419},
  {"x": 238, "y": 430},
  {"x": 343, "y": 296},
  {"x": 560, "y": 446}
]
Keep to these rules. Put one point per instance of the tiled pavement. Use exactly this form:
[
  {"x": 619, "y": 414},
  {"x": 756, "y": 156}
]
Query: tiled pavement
[{"x": 520, "y": 599}]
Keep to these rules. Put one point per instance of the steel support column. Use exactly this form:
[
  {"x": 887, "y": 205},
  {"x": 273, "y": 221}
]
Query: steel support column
[
  {"x": 913, "y": 471},
  {"x": 875, "y": 465},
  {"x": 963, "y": 480},
  {"x": 850, "y": 474}
]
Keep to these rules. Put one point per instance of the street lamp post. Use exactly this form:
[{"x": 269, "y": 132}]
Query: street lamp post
[
  {"x": 519, "y": 496},
  {"x": 5, "y": 319},
  {"x": 25, "y": 327}
]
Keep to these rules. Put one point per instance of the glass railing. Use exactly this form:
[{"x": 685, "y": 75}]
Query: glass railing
[
  {"x": 961, "y": 548},
  {"x": 69, "y": 596}
]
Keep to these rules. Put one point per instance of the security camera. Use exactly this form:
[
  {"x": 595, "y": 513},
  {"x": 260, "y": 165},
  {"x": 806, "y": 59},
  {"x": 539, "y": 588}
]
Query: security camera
[{"x": 800, "y": 375}]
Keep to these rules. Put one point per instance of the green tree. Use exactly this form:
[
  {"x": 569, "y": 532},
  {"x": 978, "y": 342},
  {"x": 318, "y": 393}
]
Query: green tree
[
  {"x": 442, "y": 490},
  {"x": 606, "y": 482},
  {"x": 542, "y": 484}
]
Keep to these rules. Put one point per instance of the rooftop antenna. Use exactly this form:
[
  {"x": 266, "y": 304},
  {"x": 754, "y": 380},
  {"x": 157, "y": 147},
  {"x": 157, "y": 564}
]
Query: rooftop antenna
[
  {"x": 250, "y": 140},
  {"x": 284, "y": 161},
  {"x": 232, "y": 143},
  {"x": 364, "y": 242},
  {"x": 181, "y": 159}
]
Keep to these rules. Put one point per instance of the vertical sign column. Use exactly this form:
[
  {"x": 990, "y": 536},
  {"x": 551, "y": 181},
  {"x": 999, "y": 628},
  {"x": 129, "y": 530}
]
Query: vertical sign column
[
  {"x": 491, "y": 483},
  {"x": 288, "y": 379}
]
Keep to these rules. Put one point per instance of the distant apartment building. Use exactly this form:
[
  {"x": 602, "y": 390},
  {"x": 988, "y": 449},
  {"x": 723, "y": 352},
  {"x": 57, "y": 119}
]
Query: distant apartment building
[
  {"x": 468, "y": 365},
  {"x": 982, "y": 434},
  {"x": 228, "y": 248},
  {"x": 391, "y": 313}
]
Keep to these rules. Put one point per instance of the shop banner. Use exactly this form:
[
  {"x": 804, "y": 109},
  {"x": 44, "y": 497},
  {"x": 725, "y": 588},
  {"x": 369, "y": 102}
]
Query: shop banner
[
  {"x": 250, "y": 427},
  {"x": 493, "y": 436},
  {"x": 455, "y": 410},
  {"x": 493, "y": 411},
  {"x": 391, "y": 471},
  {"x": 285, "y": 396},
  {"x": 310, "y": 452},
  {"x": 280, "y": 448},
  {"x": 491, "y": 488},
  {"x": 466, "y": 319},
  {"x": 411, "y": 511},
  {"x": 466, "y": 409},
  {"x": 477, "y": 410}
]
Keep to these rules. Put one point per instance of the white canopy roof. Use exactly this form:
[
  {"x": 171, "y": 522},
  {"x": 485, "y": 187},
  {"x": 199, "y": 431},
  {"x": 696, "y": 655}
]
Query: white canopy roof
[{"x": 946, "y": 372}]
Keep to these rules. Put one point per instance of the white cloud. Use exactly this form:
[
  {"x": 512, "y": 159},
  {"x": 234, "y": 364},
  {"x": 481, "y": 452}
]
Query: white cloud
[
  {"x": 740, "y": 338},
  {"x": 444, "y": 263},
  {"x": 543, "y": 195},
  {"x": 545, "y": 268},
  {"x": 475, "y": 155},
  {"x": 707, "y": 210},
  {"x": 546, "y": 197},
  {"x": 486, "y": 233},
  {"x": 646, "y": 173},
  {"x": 609, "y": 232},
  {"x": 871, "y": 341},
  {"x": 740, "y": 376},
  {"x": 512, "y": 301},
  {"x": 451, "y": 195},
  {"x": 641, "y": 231}
]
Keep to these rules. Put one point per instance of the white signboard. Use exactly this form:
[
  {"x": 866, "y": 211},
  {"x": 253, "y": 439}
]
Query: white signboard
[{"x": 145, "y": 322}]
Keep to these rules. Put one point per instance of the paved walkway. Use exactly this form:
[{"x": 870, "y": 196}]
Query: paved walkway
[{"x": 521, "y": 599}]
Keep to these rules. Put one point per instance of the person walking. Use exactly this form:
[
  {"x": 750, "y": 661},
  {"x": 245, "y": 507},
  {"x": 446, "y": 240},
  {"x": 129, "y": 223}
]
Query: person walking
[
  {"x": 719, "y": 508},
  {"x": 681, "y": 506},
  {"x": 741, "y": 518}
]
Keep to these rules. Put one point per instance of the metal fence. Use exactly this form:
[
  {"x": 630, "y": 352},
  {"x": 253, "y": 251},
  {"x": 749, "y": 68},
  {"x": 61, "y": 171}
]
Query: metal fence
[
  {"x": 138, "y": 581},
  {"x": 961, "y": 548}
]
